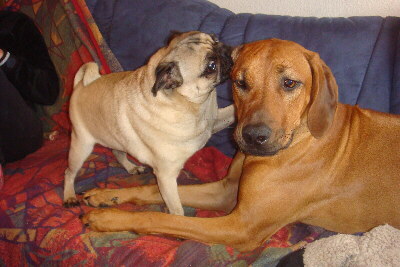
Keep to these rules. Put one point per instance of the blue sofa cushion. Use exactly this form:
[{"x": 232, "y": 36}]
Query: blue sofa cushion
[
  {"x": 395, "y": 96},
  {"x": 361, "y": 51}
]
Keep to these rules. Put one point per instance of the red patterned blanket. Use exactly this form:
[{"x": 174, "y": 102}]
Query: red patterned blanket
[{"x": 35, "y": 229}]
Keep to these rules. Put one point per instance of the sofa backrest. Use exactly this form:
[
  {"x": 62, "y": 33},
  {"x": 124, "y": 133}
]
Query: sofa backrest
[
  {"x": 395, "y": 97},
  {"x": 363, "y": 52}
]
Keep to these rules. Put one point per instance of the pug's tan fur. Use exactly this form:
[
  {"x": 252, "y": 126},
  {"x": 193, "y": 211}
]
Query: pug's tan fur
[{"x": 160, "y": 113}]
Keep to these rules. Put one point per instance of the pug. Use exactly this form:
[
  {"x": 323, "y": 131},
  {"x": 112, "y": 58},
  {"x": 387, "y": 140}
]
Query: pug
[{"x": 160, "y": 113}]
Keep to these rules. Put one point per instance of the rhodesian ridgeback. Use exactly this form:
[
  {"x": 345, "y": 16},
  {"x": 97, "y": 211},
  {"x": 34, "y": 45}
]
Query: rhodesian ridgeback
[{"x": 303, "y": 157}]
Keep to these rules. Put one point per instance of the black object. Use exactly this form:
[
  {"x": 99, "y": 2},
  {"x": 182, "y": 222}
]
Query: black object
[{"x": 27, "y": 78}]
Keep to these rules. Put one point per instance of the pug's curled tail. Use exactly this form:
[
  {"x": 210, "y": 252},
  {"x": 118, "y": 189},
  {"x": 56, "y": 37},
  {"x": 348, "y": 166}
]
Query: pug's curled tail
[{"x": 87, "y": 73}]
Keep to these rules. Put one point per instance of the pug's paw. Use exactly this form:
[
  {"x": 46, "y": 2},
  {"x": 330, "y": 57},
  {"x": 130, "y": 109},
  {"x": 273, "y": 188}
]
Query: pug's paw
[{"x": 71, "y": 202}]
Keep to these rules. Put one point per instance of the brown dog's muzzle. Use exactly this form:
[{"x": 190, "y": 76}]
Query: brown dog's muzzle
[
  {"x": 259, "y": 139},
  {"x": 256, "y": 135}
]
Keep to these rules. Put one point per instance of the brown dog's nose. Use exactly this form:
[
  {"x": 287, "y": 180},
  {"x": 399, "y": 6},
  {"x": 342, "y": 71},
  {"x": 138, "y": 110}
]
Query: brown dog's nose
[{"x": 256, "y": 134}]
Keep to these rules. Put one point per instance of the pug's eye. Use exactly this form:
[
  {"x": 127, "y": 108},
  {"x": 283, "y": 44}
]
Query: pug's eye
[
  {"x": 211, "y": 67},
  {"x": 290, "y": 84},
  {"x": 241, "y": 84}
]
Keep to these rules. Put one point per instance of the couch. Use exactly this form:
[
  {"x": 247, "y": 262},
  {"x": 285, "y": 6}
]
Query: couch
[{"x": 35, "y": 229}]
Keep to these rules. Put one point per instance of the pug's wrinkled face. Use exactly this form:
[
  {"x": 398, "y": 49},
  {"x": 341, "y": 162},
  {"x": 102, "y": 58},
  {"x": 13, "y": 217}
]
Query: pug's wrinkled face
[{"x": 194, "y": 65}]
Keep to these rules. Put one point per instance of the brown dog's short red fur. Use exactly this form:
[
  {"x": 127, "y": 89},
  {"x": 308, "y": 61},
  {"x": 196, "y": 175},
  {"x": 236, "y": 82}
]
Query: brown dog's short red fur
[{"x": 304, "y": 157}]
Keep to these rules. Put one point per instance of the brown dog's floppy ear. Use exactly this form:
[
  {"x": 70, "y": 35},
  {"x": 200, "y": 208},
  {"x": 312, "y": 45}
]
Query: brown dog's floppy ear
[
  {"x": 168, "y": 76},
  {"x": 324, "y": 97}
]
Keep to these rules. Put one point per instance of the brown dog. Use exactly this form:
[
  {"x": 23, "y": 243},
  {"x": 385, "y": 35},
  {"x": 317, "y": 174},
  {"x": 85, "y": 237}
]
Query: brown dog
[{"x": 304, "y": 157}]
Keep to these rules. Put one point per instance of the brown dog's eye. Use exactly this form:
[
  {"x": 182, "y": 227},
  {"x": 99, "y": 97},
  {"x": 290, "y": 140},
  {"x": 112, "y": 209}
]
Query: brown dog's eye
[
  {"x": 240, "y": 84},
  {"x": 290, "y": 84}
]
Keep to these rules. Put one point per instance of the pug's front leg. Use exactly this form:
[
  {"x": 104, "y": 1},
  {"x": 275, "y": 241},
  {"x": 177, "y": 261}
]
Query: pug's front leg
[
  {"x": 167, "y": 174},
  {"x": 225, "y": 117}
]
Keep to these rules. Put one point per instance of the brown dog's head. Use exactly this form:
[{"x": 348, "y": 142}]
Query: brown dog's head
[{"x": 278, "y": 88}]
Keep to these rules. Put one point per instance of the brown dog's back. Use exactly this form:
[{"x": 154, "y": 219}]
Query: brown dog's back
[{"x": 365, "y": 191}]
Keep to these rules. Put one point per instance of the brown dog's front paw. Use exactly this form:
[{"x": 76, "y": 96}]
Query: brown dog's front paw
[
  {"x": 105, "y": 220},
  {"x": 90, "y": 219},
  {"x": 101, "y": 197},
  {"x": 71, "y": 202}
]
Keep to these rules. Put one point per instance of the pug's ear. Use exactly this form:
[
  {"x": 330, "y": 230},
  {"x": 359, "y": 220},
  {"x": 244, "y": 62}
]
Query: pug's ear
[
  {"x": 168, "y": 76},
  {"x": 173, "y": 35},
  {"x": 235, "y": 52}
]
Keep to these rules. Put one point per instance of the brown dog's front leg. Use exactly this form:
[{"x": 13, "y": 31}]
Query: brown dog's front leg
[
  {"x": 252, "y": 221},
  {"x": 232, "y": 230},
  {"x": 220, "y": 195}
]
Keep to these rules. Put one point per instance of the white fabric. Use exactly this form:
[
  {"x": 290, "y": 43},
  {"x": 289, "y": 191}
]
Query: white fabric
[
  {"x": 5, "y": 58},
  {"x": 379, "y": 247}
]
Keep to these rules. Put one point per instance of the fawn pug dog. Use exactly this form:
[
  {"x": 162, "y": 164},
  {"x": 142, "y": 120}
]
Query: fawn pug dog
[{"x": 160, "y": 113}]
